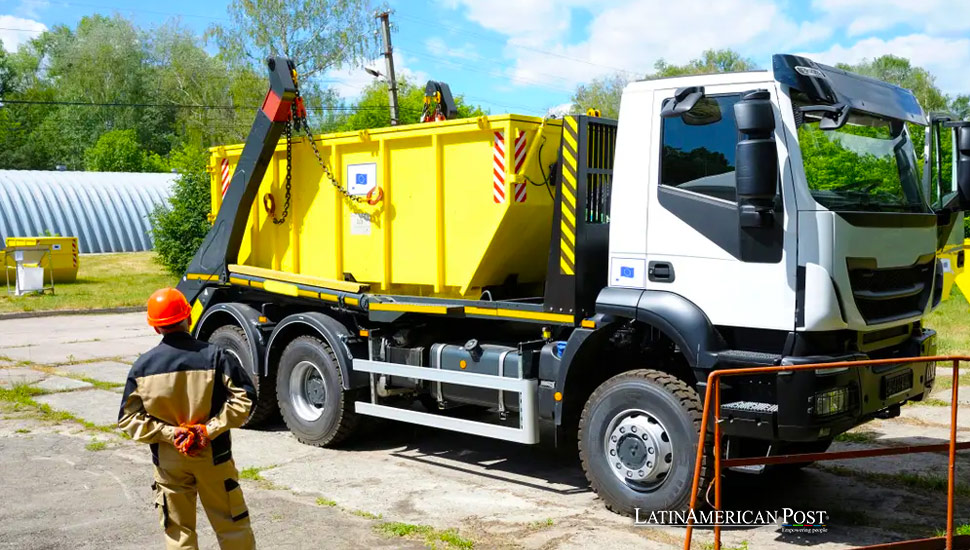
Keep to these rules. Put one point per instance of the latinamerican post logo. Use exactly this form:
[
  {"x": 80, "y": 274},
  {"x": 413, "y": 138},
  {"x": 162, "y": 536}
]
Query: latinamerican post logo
[{"x": 788, "y": 519}]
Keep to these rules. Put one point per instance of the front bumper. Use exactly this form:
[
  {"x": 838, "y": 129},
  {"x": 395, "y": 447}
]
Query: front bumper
[{"x": 783, "y": 406}]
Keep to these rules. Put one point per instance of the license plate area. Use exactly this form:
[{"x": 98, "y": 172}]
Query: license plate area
[{"x": 895, "y": 384}]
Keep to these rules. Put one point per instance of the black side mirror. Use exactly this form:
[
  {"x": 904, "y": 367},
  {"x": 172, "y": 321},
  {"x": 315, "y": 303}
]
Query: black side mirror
[
  {"x": 684, "y": 100},
  {"x": 756, "y": 159},
  {"x": 962, "y": 138}
]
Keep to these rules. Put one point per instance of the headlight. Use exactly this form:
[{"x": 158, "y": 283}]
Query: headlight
[{"x": 831, "y": 402}]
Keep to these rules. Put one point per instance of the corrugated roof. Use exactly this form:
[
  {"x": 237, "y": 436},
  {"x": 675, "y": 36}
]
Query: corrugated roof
[{"x": 106, "y": 211}]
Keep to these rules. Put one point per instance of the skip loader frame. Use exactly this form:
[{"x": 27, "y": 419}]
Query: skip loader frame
[{"x": 712, "y": 407}]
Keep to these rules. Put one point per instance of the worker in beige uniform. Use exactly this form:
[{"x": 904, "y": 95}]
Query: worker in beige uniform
[{"x": 181, "y": 398}]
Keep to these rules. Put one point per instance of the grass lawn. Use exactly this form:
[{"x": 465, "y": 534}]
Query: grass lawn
[
  {"x": 104, "y": 280},
  {"x": 951, "y": 321}
]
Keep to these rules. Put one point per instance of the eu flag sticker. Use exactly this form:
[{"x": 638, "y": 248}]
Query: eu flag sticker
[
  {"x": 361, "y": 179},
  {"x": 626, "y": 272}
]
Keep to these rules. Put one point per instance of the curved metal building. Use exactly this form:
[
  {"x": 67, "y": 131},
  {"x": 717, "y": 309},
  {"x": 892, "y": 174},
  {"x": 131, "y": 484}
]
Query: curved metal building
[{"x": 106, "y": 211}]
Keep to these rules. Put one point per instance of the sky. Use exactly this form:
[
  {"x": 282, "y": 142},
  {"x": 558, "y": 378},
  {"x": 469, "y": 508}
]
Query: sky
[{"x": 528, "y": 56}]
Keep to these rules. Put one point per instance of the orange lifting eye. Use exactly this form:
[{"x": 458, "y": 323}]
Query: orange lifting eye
[
  {"x": 269, "y": 204},
  {"x": 375, "y": 196}
]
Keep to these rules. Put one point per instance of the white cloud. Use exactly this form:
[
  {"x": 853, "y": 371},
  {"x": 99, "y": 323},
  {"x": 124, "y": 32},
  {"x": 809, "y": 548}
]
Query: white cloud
[
  {"x": 14, "y": 31},
  {"x": 862, "y": 17},
  {"x": 631, "y": 35},
  {"x": 349, "y": 82},
  {"x": 31, "y": 8},
  {"x": 946, "y": 58},
  {"x": 560, "y": 110},
  {"x": 533, "y": 22}
]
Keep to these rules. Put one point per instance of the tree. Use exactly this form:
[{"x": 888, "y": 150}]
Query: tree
[
  {"x": 179, "y": 228},
  {"x": 316, "y": 34},
  {"x": 602, "y": 93},
  {"x": 371, "y": 110},
  {"x": 711, "y": 61},
  {"x": 899, "y": 71},
  {"x": 119, "y": 151},
  {"x": 960, "y": 106}
]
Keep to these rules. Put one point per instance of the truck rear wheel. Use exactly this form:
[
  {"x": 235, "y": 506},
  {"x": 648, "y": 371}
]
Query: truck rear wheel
[
  {"x": 233, "y": 340},
  {"x": 315, "y": 407},
  {"x": 638, "y": 441}
]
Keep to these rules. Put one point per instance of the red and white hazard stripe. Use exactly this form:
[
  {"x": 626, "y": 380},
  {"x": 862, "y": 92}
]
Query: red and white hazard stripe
[
  {"x": 225, "y": 176},
  {"x": 498, "y": 168},
  {"x": 519, "y": 151},
  {"x": 520, "y": 190}
]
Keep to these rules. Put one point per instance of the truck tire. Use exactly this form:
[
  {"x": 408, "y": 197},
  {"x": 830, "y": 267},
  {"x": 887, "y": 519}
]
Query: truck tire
[
  {"x": 315, "y": 407},
  {"x": 233, "y": 339},
  {"x": 638, "y": 442}
]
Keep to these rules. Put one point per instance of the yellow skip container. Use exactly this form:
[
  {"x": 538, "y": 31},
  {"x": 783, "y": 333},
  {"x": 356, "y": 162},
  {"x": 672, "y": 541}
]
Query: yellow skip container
[
  {"x": 64, "y": 255},
  {"x": 459, "y": 205}
]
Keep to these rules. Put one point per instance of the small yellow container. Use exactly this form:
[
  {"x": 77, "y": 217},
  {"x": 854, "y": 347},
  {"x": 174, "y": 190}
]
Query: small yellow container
[
  {"x": 64, "y": 255},
  {"x": 458, "y": 205}
]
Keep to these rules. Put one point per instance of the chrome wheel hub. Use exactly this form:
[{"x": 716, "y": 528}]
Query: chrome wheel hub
[
  {"x": 638, "y": 449},
  {"x": 308, "y": 391}
]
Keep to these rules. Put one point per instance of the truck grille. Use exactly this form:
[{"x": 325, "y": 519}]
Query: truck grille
[{"x": 892, "y": 294}]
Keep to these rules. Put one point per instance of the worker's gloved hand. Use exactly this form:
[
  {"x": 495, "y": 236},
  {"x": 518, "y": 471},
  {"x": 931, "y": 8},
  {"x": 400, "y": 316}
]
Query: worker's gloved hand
[
  {"x": 185, "y": 440},
  {"x": 201, "y": 436}
]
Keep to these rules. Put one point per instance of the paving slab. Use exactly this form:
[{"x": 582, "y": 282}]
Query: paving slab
[
  {"x": 20, "y": 375},
  {"x": 61, "y": 383},
  {"x": 963, "y": 395},
  {"x": 56, "y": 495},
  {"x": 934, "y": 415},
  {"x": 55, "y": 340},
  {"x": 261, "y": 449},
  {"x": 97, "y": 406},
  {"x": 104, "y": 371}
]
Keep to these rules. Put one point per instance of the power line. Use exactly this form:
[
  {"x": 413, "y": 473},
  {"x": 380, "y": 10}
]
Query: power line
[
  {"x": 23, "y": 30},
  {"x": 480, "y": 59},
  {"x": 464, "y": 31},
  {"x": 141, "y": 10},
  {"x": 175, "y": 105},
  {"x": 492, "y": 73}
]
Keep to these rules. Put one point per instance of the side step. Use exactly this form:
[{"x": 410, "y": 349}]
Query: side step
[{"x": 527, "y": 432}]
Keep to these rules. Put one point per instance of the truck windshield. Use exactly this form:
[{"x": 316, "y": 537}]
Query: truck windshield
[{"x": 867, "y": 165}]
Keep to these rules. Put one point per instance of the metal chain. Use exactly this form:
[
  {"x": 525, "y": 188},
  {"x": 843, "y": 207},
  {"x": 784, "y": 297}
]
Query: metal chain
[
  {"x": 326, "y": 169},
  {"x": 289, "y": 158},
  {"x": 300, "y": 121}
]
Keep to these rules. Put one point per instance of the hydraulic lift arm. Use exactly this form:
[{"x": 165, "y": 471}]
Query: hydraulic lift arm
[{"x": 221, "y": 245}]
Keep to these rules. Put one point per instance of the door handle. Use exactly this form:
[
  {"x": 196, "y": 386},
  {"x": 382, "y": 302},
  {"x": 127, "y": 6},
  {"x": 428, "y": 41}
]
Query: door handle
[{"x": 660, "y": 272}]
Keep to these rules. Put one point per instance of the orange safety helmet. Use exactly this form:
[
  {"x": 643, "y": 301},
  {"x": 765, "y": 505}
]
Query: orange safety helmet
[{"x": 167, "y": 306}]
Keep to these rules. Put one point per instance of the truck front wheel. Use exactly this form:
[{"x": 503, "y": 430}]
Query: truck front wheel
[
  {"x": 638, "y": 441},
  {"x": 315, "y": 407}
]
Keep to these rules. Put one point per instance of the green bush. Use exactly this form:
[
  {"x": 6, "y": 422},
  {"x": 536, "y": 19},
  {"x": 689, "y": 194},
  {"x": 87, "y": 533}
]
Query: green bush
[
  {"x": 178, "y": 228},
  {"x": 120, "y": 151}
]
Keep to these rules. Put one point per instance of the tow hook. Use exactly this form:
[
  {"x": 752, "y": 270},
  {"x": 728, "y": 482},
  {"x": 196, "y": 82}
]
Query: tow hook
[{"x": 890, "y": 412}]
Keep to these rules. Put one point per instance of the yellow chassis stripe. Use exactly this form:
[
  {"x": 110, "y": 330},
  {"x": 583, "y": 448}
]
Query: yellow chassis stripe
[
  {"x": 519, "y": 314},
  {"x": 412, "y": 308},
  {"x": 298, "y": 279},
  {"x": 286, "y": 289},
  {"x": 201, "y": 277}
]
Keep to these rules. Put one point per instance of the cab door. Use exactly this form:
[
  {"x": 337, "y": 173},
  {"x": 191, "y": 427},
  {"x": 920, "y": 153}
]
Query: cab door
[{"x": 696, "y": 246}]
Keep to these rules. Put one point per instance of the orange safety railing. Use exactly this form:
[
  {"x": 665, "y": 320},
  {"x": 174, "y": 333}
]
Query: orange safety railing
[{"x": 712, "y": 402}]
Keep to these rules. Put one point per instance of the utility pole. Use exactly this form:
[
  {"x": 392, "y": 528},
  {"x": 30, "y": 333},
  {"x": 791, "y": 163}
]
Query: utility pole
[{"x": 389, "y": 61}]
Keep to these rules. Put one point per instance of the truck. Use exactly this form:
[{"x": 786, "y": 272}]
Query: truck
[{"x": 572, "y": 282}]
